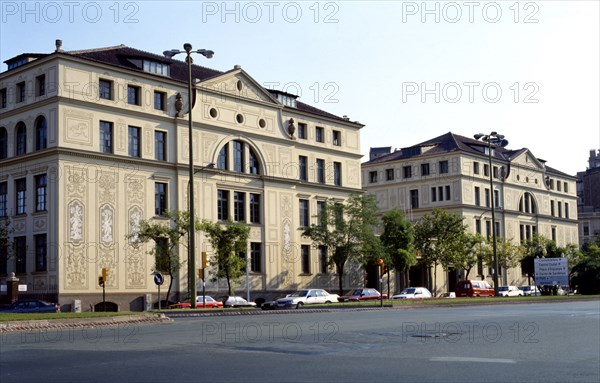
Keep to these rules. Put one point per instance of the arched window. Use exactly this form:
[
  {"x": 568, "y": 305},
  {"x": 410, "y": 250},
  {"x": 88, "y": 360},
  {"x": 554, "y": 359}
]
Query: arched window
[
  {"x": 253, "y": 163},
  {"x": 3, "y": 143},
  {"x": 222, "y": 160},
  {"x": 41, "y": 133},
  {"x": 21, "y": 138},
  {"x": 527, "y": 204},
  {"x": 239, "y": 157}
]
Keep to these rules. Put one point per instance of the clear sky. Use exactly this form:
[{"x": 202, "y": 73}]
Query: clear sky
[{"x": 408, "y": 70}]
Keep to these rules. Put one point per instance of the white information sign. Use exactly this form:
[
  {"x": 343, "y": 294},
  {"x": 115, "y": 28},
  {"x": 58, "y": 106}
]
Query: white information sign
[{"x": 551, "y": 271}]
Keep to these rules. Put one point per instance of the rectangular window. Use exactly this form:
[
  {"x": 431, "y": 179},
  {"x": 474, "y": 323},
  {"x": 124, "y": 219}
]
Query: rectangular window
[
  {"x": 305, "y": 258},
  {"x": 41, "y": 192},
  {"x": 487, "y": 197},
  {"x": 496, "y": 198},
  {"x": 3, "y": 257},
  {"x": 414, "y": 199},
  {"x": 424, "y": 170},
  {"x": 254, "y": 208},
  {"x": 488, "y": 229},
  {"x": 21, "y": 91},
  {"x": 558, "y": 186},
  {"x": 441, "y": 193},
  {"x": 106, "y": 137},
  {"x": 566, "y": 187},
  {"x": 337, "y": 173},
  {"x": 135, "y": 146},
  {"x": 372, "y": 177},
  {"x": 337, "y": 138},
  {"x": 495, "y": 172},
  {"x": 448, "y": 197},
  {"x": 2, "y": 98},
  {"x": 552, "y": 208},
  {"x": 302, "y": 130},
  {"x": 21, "y": 188},
  {"x": 105, "y": 89},
  {"x": 319, "y": 134},
  {"x": 486, "y": 170},
  {"x": 433, "y": 194},
  {"x": 389, "y": 174},
  {"x": 475, "y": 167},
  {"x": 160, "y": 198},
  {"x": 133, "y": 95},
  {"x": 303, "y": 168},
  {"x": 160, "y": 145},
  {"x": 239, "y": 206},
  {"x": 566, "y": 210},
  {"x": 478, "y": 226},
  {"x": 586, "y": 230},
  {"x": 323, "y": 259},
  {"x": 238, "y": 156},
  {"x": 21, "y": 254},
  {"x": 256, "y": 257},
  {"x": 222, "y": 205},
  {"x": 407, "y": 172},
  {"x": 477, "y": 196},
  {"x": 304, "y": 213},
  {"x": 156, "y": 67},
  {"x": 320, "y": 171},
  {"x": 554, "y": 234},
  {"x": 443, "y": 167},
  {"x": 40, "y": 85},
  {"x": 559, "y": 206},
  {"x": 41, "y": 252},
  {"x": 320, "y": 208},
  {"x": 3, "y": 199},
  {"x": 159, "y": 100}
]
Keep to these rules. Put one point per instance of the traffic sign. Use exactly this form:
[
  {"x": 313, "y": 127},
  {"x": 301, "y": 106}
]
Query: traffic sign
[{"x": 159, "y": 279}]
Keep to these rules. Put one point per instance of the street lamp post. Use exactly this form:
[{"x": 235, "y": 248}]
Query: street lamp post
[
  {"x": 498, "y": 140},
  {"x": 192, "y": 232}
]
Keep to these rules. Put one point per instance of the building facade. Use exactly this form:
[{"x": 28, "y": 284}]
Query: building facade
[
  {"x": 588, "y": 203},
  {"x": 94, "y": 141},
  {"x": 452, "y": 172}
]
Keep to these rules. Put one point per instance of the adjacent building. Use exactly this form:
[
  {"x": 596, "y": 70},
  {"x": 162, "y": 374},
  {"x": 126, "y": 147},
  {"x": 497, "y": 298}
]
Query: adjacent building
[
  {"x": 588, "y": 203},
  {"x": 94, "y": 141},
  {"x": 452, "y": 172}
]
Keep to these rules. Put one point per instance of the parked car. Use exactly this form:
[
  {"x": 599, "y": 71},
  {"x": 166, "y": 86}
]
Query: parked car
[
  {"x": 450, "y": 294},
  {"x": 530, "y": 290},
  {"x": 474, "y": 288},
  {"x": 357, "y": 295},
  {"x": 413, "y": 293},
  {"x": 509, "y": 291},
  {"x": 210, "y": 303},
  {"x": 306, "y": 297},
  {"x": 31, "y": 306},
  {"x": 235, "y": 301}
]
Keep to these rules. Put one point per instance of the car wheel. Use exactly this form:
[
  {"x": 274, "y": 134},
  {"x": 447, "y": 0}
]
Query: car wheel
[
  {"x": 327, "y": 302},
  {"x": 299, "y": 305}
]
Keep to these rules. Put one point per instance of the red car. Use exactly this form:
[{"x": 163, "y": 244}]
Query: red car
[
  {"x": 361, "y": 295},
  {"x": 210, "y": 303}
]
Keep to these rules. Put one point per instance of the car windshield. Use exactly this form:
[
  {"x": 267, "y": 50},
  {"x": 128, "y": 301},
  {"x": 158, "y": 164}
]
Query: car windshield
[
  {"x": 525, "y": 288},
  {"x": 357, "y": 292},
  {"x": 301, "y": 293},
  {"x": 503, "y": 288},
  {"x": 408, "y": 291}
]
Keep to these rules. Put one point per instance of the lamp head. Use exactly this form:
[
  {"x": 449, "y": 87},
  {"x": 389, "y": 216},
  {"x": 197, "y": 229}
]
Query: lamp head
[
  {"x": 171, "y": 53},
  {"x": 206, "y": 53},
  {"x": 187, "y": 47},
  {"x": 478, "y": 136}
]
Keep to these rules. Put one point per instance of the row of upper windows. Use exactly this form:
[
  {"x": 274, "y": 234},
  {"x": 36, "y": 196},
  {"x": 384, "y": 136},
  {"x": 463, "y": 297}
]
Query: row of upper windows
[
  {"x": 20, "y": 252},
  {"x": 134, "y": 141},
  {"x": 557, "y": 185},
  {"x": 106, "y": 91},
  {"x": 19, "y": 204},
  {"x": 20, "y": 138},
  {"x": 336, "y": 135},
  {"x": 322, "y": 174},
  {"x": 21, "y": 92},
  {"x": 408, "y": 172}
]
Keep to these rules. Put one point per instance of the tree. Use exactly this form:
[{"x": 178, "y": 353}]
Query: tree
[
  {"x": 586, "y": 272},
  {"x": 346, "y": 230},
  {"x": 167, "y": 237},
  {"x": 473, "y": 251},
  {"x": 532, "y": 249},
  {"x": 6, "y": 243},
  {"x": 397, "y": 239},
  {"x": 228, "y": 241},
  {"x": 508, "y": 254},
  {"x": 440, "y": 238}
]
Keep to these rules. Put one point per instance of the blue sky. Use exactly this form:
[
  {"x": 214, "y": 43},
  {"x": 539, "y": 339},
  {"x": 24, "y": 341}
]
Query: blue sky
[{"x": 407, "y": 70}]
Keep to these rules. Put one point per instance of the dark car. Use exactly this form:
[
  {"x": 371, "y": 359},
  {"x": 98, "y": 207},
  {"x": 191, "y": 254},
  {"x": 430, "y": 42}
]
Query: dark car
[
  {"x": 31, "y": 306},
  {"x": 362, "y": 295}
]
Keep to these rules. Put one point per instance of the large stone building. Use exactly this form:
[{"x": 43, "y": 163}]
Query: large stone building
[
  {"x": 588, "y": 203},
  {"x": 451, "y": 172},
  {"x": 93, "y": 141}
]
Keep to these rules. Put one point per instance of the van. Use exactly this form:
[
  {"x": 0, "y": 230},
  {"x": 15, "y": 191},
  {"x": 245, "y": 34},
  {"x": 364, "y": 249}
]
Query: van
[{"x": 474, "y": 289}]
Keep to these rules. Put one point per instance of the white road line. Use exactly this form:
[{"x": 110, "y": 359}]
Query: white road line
[{"x": 470, "y": 360}]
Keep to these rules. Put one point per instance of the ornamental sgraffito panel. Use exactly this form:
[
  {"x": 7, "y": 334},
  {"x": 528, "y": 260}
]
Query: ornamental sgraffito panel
[
  {"x": 136, "y": 257},
  {"x": 107, "y": 214},
  {"x": 75, "y": 269},
  {"x": 76, "y": 220}
]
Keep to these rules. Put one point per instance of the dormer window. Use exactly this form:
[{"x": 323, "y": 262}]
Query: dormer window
[
  {"x": 156, "y": 67},
  {"x": 286, "y": 100}
]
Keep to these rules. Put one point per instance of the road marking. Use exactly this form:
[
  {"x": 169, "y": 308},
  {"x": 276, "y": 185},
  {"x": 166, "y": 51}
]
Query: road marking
[{"x": 470, "y": 359}]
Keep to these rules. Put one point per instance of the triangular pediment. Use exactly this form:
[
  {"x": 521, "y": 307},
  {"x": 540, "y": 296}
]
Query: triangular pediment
[
  {"x": 527, "y": 159},
  {"x": 239, "y": 84}
]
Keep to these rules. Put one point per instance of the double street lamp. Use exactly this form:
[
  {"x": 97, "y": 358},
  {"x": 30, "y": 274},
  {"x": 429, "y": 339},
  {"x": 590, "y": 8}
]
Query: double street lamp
[
  {"x": 192, "y": 232},
  {"x": 497, "y": 140}
]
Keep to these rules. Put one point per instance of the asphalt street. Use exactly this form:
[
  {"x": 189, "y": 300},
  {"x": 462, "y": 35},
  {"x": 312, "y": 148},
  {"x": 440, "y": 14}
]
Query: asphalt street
[{"x": 551, "y": 342}]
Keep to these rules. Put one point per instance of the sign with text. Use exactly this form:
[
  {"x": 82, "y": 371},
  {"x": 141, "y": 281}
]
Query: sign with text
[{"x": 551, "y": 271}]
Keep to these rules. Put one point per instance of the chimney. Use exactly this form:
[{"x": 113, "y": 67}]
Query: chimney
[{"x": 58, "y": 44}]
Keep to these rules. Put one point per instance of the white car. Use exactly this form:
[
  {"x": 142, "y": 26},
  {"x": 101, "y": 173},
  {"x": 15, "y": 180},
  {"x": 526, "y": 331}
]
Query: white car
[
  {"x": 413, "y": 293},
  {"x": 235, "y": 301},
  {"x": 510, "y": 291},
  {"x": 306, "y": 297},
  {"x": 530, "y": 290}
]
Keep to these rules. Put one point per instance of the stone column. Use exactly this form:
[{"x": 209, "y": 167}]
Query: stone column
[{"x": 12, "y": 288}]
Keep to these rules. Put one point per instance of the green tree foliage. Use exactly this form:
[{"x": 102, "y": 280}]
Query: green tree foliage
[
  {"x": 541, "y": 247},
  {"x": 6, "y": 242},
  {"x": 228, "y": 241},
  {"x": 440, "y": 237},
  {"x": 167, "y": 237},
  {"x": 474, "y": 248},
  {"x": 397, "y": 240},
  {"x": 586, "y": 272},
  {"x": 347, "y": 230}
]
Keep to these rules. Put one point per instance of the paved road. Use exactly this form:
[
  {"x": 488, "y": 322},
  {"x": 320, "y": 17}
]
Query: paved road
[{"x": 554, "y": 342}]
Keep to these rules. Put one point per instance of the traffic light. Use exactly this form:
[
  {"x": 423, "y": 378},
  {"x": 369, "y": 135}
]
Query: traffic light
[
  {"x": 101, "y": 281},
  {"x": 104, "y": 273}
]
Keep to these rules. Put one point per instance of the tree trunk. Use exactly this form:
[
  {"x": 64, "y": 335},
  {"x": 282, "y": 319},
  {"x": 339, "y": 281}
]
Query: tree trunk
[
  {"x": 340, "y": 273},
  {"x": 169, "y": 289}
]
